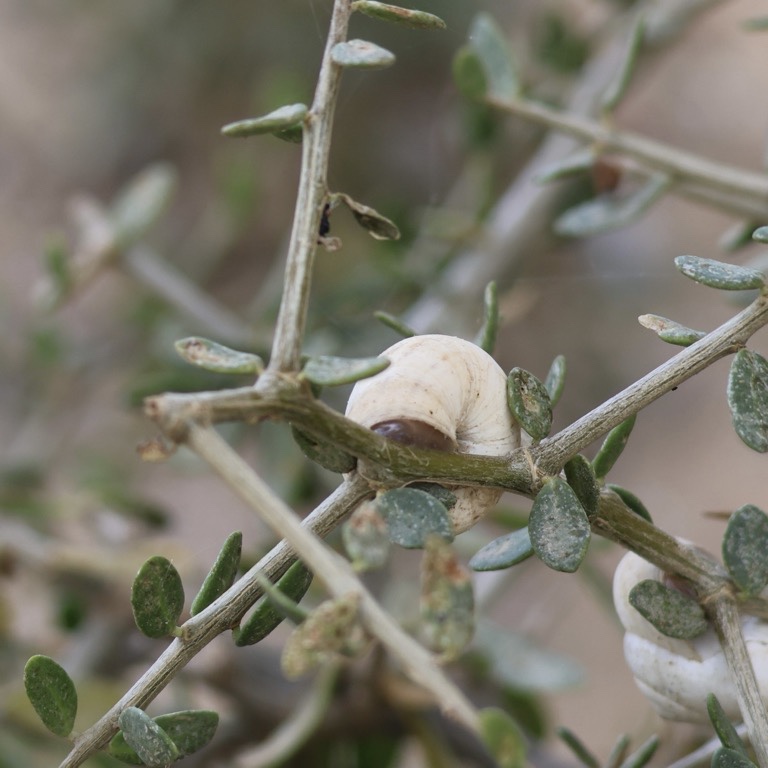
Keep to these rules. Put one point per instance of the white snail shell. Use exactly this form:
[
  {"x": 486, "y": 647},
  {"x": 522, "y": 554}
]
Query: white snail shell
[
  {"x": 441, "y": 392},
  {"x": 676, "y": 675}
]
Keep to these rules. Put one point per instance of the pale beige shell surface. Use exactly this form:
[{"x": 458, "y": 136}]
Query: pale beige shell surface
[
  {"x": 454, "y": 386},
  {"x": 677, "y": 675}
]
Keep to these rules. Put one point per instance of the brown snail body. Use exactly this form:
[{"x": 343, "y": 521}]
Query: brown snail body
[{"x": 444, "y": 393}]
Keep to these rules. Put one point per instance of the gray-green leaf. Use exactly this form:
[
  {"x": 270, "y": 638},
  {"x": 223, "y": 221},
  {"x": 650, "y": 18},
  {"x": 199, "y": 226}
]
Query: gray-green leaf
[
  {"x": 325, "y": 454},
  {"x": 670, "y": 331},
  {"x": 610, "y": 211},
  {"x": 412, "y": 515},
  {"x": 748, "y": 398},
  {"x": 555, "y": 381},
  {"x": 529, "y": 402},
  {"x": 222, "y": 574},
  {"x": 216, "y": 357},
  {"x": 52, "y": 694},
  {"x": 157, "y": 597},
  {"x": 361, "y": 54},
  {"x": 504, "y": 552},
  {"x": 612, "y": 447},
  {"x": 266, "y": 617},
  {"x": 559, "y": 527},
  {"x": 760, "y": 235},
  {"x": 718, "y": 274},
  {"x": 329, "y": 371},
  {"x": 632, "y": 501},
  {"x": 730, "y": 758},
  {"x": 152, "y": 744},
  {"x": 581, "y": 477},
  {"x": 745, "y": 548},
  {"x": 285, "y": 118},
  {"x": 724, "y": 728},
  {"x": 190, "y": 730},
  {"x": 486, "y": 337},
  {"x": 618, "y": 86},
  {"x": 378, "y": 226},
  {"x": 142, "y": 201},
  {"x": 503, "y": 738},
  {"x": 489, "y": 45},
  {"x": 403, "y": 16},
  {"x": 670, "y": 611}
]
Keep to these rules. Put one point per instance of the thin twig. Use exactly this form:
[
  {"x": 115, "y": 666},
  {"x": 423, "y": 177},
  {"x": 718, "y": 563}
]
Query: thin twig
[
  {"x": 723, "y": 612},
  {"x": 291, "y": 319},
  {"x": 332, "y": 570},
  {"x": 220, "y": 616}
]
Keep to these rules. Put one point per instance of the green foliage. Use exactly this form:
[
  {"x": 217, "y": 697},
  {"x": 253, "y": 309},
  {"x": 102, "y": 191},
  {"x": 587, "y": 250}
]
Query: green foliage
[
  {"x": 412, "y": 515},
  {"x": 503, "y": 738},
  {"x": 748, "y": 398},
  {"x": 326, "y": 455},
  {"x": 578, "y": 748},
  {"x": 362, "y": 54},
  {"x": 730, "y": 758},
  {"x": 379, "y": 227},
  {"x": 157, "y": 597},
  {"x": 616, "y": 90},
  {"x": 151, "y": 744},
  {"x": 285, "y": 118},
  {"x": 52, "y": 694},
  {"x": 612, "y": 447},
  {"x": 222, "y": 574},
  {"x": 329, "y": 371},
  {"x": 670, "y": 331},
  {"x": 744, "y": 549},
  {"x": 632, "y": 501},
  {"x": 528, "y": 399},
  {"x": 724, "y": 729},
  {"x": 486, "y": 337},
  {"x": 266, "y": 617},
  {"x": 504, "y": 552},
  {"x": 189, "y": 731},
  {"x": 554, "y": 383},
  {"x": 581, "y": 477},
  {"x": 402, "y": 16},
  {"x": 718, "y": 274},
  {"x": 670, "y": 611},
  {"x": 215, "y": 357},
  {"x": 558, "y": 527}
]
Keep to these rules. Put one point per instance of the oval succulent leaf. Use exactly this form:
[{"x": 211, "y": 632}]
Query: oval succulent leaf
[
  {"x": 403, "y": 16},
  {"x": 610, "y": 211},
  {"x": 489, "y": 45},
  {"x": 216, "y": 357},
  {"x": 558, "y": 527},
  {"x": 670, "y": 331},
  {"x": 503, "y": 738},
  {"x": 760, "y": 235},
  {"x": 745, "y": 549},
  {"x": 612, "y": 447},
  {"x": 446, "y": 605},
  {"x": 157, "y": 597},
  {"x": 152, "y": 744},
  {"x": 724, "y": 728},
  {"x": 326, "y": 455},
  {"x": 555, "y": 381},
  {"x": 730, "y": 758},
  {"x": 361, "y": 54},
  {"x": 222, "y": 574},
  {"x": 468, "y": 73},
  {"x": 581, "y": 478},
  {"x": 412, "y": 515},
  {"x": 632, "y": 501},
  {"x": 397, "y": 325},
  {"x": 529, "y": 402},
  {"x": 265, "y": 618},
  {"x": 670, "y": 611},
  {"x": 379, "y": 227},
  {"x": 718, "y": 274},
  {"x": 748, "y": 398},
  {"x": 504, "y": 552},
  {"x": 189, "y": 730},
  {"x": 366, "y": 538},
  {"x": 142, "y": 201},
  {"x": 52, "y": 694},
  {"x": 329, "y": 371},
  {"x": 285, "y": 118},
  {"x": 618, "y": 87}
]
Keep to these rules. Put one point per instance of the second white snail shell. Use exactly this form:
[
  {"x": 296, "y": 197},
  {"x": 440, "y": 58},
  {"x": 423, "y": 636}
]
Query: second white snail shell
[
  {"x": 441, "y": 392},
  {"x": 677, "y": 675}
]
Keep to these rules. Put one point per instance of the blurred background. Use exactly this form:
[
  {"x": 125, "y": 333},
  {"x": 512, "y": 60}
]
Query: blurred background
[{"x": 92, "y": 94}]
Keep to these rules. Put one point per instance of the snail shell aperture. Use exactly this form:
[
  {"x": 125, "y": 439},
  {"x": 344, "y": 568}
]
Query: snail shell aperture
[{"x": 446, "y": 393}]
